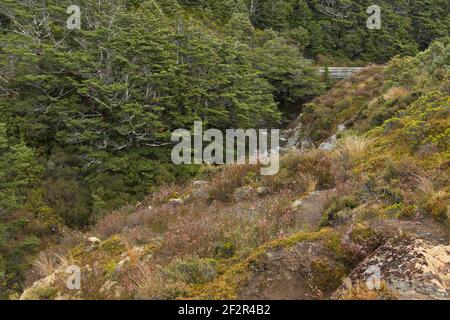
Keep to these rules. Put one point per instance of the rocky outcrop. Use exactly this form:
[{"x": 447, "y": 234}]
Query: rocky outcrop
[
  {"x": 304, "y": 271},
  {"x": 331, "y": 142},
  {"x": 200, "y": 190},
  {"x": 414, "y": 269},
  {"x": 41, "y": 290},
  {"x": 293, "y": 139},
  {"x": 94, "y": 240}
]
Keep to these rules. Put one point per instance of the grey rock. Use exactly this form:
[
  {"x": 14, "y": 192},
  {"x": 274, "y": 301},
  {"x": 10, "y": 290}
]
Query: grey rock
[{"x": 414, "y": 269}]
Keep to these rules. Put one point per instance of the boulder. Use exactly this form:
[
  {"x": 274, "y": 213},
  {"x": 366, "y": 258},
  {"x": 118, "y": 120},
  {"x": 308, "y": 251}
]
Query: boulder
[
  {"x": 41, "y": 290},
  {"x": 262, "y": 191},
  {"x": 305, "y": 271},
  {"x": 200, "y": 190},
  {"x": 297, "y": 204},
  {"x": 414, "y": 269},
  {"x": 200, "y": 184},
  {"x": 330, "y": 143},
  {"x": 93, "y": 240},
  {"x": 244, "y": 193}
]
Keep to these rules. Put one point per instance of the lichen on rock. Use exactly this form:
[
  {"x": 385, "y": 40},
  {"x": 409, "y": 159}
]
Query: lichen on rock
[{"x": 415, "y": 269}]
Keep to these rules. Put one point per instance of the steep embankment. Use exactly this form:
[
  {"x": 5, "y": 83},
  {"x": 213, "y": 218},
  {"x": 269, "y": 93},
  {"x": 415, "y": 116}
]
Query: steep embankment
[{"x": 381, "y": 192}]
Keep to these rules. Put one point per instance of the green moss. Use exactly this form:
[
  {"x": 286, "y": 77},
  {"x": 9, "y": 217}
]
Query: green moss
[
  {"x": 296, "y": 238},
  {"x": 334, "y": 244},
  {"x": 150, "y": 249},
  {"x": 225, "y": 250},
  {"x": 78, "y": 251},
  {"x": 325, "y": 276},
  {"x": 390, "y": 195},
  {"x": 109, "y": 267},
  {"x": 251, "y": 179},
  {"x": 226, "y": 287},
  {"x": 40, "y": 293},
  {"x": 408, "y": 211},
  {"x": 362, "y": 234},
  {"x": 192, "y": 270},
  {"x": 346, "y": 258},
  {"x": 337, "y": 206},
  {"x": 114, "y": 245},
  {"x": 395, "y": 209},
  {"x": 438, "y": 207},
  {"x": 46, "y": 293}
]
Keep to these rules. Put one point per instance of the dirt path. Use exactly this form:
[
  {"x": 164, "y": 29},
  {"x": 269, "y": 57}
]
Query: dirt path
[{"x": 310, "y": 208}]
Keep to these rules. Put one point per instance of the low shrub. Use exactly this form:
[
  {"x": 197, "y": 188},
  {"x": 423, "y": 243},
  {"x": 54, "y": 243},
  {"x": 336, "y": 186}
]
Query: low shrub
[
  {"x": 224, "y": 250},
  {"x": 111, "y": 224},
  {"x": 438, "y": 206},
  {"x": 228, "y": 180},
  {"x": 192, "y": 270}
]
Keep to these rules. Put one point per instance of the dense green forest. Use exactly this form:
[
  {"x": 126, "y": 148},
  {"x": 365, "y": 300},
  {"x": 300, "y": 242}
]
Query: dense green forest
[{"x": 86, "y": 115}]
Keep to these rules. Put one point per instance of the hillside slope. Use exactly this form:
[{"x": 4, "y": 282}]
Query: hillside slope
[
  {"x": 380, "y": 191},
  {"x": 86, "y": 114}
]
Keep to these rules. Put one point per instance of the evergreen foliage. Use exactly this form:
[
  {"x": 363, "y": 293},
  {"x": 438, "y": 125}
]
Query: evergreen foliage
[{"x": 86, "y": 115}]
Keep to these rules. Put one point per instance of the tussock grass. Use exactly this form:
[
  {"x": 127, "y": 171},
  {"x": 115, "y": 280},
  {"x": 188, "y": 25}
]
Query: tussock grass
[
  {"x": 424, "y": 184},
  {"x": 48, "y": 262},
  {"x": 395, "y": 93}
]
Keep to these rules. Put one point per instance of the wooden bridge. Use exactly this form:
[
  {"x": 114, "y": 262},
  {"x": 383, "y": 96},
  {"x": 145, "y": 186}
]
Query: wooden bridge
[{"x": 340, "y": 72}]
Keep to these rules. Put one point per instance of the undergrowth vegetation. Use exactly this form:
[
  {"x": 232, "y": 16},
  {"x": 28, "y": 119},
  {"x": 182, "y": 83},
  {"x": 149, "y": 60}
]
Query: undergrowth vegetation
[{"x": 208, "y": 238}]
